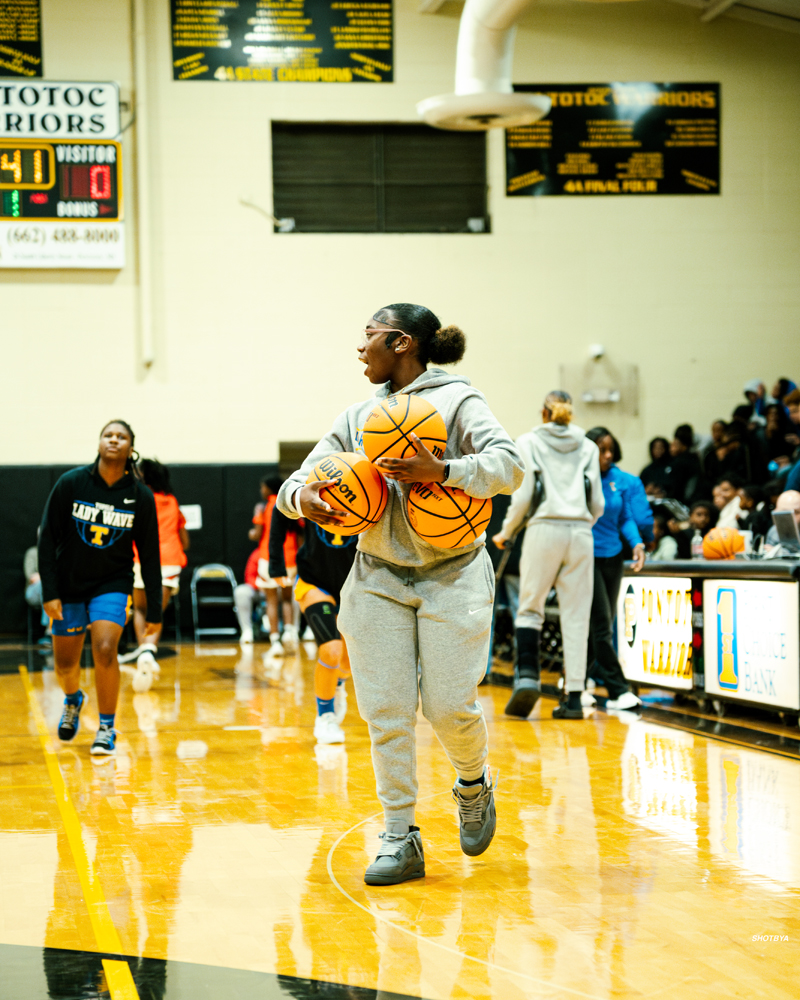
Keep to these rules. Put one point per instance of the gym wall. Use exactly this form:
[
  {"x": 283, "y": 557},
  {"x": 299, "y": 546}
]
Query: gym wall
[
  {"x": 256, "y": 332},
  {"x": 227, "y": 495}
]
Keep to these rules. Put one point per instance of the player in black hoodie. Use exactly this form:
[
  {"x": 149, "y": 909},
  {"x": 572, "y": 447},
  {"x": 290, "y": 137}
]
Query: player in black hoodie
[{"x": 90, "y": 522}]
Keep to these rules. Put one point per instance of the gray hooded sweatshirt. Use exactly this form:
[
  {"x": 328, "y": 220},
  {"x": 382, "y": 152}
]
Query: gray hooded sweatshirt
[
  {"x": 562, "y": 455},
  {"x": 483, "y": 462}
]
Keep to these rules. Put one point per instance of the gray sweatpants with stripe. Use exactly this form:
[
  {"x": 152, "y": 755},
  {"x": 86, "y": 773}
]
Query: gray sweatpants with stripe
[
  {"x": 559, "y": 553},
  {"x": 393, "y": 617}
]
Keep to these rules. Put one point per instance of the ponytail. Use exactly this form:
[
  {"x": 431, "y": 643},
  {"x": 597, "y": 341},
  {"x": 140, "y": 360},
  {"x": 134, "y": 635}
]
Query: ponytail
[
  {"x": 435, "y": 343},
  {"x": 559, "y": 405}
]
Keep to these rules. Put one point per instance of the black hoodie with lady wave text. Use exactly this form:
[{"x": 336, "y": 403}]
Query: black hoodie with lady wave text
[{"x": 87, "y": 536}]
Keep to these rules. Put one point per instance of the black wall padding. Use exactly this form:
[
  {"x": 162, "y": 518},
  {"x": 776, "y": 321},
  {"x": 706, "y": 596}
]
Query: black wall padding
[{"x": 227, "y": 494}]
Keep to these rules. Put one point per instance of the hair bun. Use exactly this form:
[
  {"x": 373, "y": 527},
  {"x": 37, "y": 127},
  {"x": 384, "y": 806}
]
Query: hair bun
[{"x": 447, "y": 346}]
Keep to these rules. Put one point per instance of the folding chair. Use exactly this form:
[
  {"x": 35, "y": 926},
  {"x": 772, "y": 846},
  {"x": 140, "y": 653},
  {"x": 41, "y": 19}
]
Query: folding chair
[{"x": 216, "y": 584}]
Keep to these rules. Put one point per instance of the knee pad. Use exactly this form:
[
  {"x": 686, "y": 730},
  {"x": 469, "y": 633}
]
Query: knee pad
[{"x": 321, "y": 618}]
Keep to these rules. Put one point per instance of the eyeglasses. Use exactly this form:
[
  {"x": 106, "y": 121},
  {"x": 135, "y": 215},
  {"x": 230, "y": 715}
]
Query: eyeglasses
[{"x": 376, "y": 330}]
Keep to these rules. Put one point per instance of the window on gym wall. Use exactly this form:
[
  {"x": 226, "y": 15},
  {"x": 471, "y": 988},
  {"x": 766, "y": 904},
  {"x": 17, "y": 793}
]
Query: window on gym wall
[{"x": 378, "y": 179}]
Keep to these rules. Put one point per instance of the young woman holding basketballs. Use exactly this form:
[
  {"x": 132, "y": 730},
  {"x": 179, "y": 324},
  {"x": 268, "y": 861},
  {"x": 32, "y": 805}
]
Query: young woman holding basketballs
[{"x": 407, "y": 603}]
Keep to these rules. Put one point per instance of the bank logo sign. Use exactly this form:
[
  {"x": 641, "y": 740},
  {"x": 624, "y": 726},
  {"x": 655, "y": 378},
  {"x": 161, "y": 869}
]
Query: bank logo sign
[
  {"x": 750, "y": 641},
  {"x": 727, "y": 652},
  {"x": 654, "y": 625}
]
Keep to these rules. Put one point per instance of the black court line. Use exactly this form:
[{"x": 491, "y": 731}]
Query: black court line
[
  {"x": 728, "y": 732},
  {"x": 35, "y": 973}
]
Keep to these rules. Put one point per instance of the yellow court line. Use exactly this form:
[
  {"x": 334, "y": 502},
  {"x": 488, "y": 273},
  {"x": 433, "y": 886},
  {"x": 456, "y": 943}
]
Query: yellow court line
[{"x": 118, "y": 974}]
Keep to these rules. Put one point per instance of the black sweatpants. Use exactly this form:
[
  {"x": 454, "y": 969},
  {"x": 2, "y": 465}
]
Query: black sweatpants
[{"x": 603, "y": 663}]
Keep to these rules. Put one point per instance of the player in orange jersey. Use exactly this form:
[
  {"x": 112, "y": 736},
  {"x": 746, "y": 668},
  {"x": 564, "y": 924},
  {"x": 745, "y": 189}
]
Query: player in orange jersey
[
  {"x": 173, "y": 543},
  {"x": 275, "y": 590}
]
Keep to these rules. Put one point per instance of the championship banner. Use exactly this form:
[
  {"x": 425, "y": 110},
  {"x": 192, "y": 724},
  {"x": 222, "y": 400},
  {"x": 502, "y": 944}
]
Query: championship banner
[
  {"x": 283, "y": 41},
  {"x": 20, "y": 39},
  {"x": 618, "y": 139}
]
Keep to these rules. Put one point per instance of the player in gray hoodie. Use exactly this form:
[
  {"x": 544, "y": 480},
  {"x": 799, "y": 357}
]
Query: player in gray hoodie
[
  {"x": 560, "y": 499},
  {"x": 406, "y": 602}
]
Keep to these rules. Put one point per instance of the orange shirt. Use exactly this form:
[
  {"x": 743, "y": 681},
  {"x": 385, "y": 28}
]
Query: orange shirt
[
  {"x": 170, "y": 521},
  {"x": 264, "y": 518}
]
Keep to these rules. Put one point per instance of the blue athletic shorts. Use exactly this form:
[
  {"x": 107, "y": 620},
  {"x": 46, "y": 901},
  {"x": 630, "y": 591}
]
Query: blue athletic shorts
[{"x": 104, "y": 608}]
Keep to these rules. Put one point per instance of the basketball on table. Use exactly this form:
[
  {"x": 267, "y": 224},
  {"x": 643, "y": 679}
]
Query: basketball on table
[
  {"x": 388, "y": 428},
  {"x": 360, "y": 491},
  {"x": 722, "y": 543},
  {"x": 445, "y": 516}
]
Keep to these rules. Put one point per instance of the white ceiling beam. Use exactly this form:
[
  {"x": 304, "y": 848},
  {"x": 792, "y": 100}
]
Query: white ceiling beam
[
  {"x": 715, "y": 8},
  {"x": 763, "y": 17},
  {"x": 743, "y": 13}
]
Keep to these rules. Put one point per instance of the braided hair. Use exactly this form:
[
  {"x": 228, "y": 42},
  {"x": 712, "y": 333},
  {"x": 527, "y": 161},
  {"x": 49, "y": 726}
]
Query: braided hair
[
  {"x": 133, "y": 458},
  {"x": 435, "y": 343}
]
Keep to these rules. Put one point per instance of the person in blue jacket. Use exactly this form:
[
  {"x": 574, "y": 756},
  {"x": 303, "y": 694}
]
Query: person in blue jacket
[
  {"x": 635, "y": 494},
  {"x": 616, "y": 523}
]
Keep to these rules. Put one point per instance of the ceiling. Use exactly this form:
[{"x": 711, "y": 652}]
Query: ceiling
[{"x": 783, "y": 15}]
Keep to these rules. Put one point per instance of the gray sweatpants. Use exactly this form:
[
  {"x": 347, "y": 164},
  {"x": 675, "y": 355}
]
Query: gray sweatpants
[
  {"x": 559, "y": 553},
  {"x": 393, "y": 617}
]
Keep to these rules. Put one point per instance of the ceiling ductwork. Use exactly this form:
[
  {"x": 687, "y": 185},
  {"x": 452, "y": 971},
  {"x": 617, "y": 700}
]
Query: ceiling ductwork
[{"x": 484, "y": 97}]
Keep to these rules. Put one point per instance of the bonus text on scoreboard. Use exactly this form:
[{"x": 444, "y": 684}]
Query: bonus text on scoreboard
[
  {"x": 618, "y": 139},
  {"x": 283, "y": 41}
]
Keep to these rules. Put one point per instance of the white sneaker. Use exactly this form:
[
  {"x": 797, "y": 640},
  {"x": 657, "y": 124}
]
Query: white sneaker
[
  {"x": 308, "y": 635},
  {"x": 246, "y": 638},
  {"x": 146, "y": 647},
  {"x": 146, "y": 667},
  {"x": 275, "y": 647},
  {"x": 590, "y": 685},
  {"x": 340, "y": 703},
  {"x": 289, "y": 639},
  {"x": 588, "y": 700},
  {"x": 625, "y": 701},
  {"x": 327, "y": 729}
]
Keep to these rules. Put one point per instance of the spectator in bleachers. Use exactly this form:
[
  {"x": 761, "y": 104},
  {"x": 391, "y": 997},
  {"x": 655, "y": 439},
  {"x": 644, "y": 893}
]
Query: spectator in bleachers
[
  {"x": 782, "y": 388},
  {"x": 726, "y": 500},
  {"x": 685, "y": 470},
  {"x": 665, "y": 547},
  {"x": 729, "y": 457},
  {"x": 656, "y": 473},
  {"x": 715, "y": 441},
  {"x": 792, "y": 403},
  {"x": 756, "y": 395},
  {"x": 702, "y": 517},
  {"x": 754, "y": 458},
  {"x": 773, "y": 489},
  {"x": 772, "y": 436},
  {"x": 756, "y": 513}
]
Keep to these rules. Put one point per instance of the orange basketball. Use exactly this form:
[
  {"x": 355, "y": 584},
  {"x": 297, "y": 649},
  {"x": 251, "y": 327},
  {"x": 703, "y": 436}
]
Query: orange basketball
[
  {"x": 722, "y": 543},
  {"x": 360, "y": 491},
  {"x": 390, "y": 423},
  {"x": 445, "y": 516}
]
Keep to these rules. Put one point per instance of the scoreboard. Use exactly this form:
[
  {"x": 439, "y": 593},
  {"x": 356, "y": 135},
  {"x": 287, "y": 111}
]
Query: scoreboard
[
  {"x": 61, "y": 203},
  {"x": 63, "y": 180}
]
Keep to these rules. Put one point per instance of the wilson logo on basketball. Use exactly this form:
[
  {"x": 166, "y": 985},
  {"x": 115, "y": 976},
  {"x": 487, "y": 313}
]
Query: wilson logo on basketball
[
  {"x": 445, "y": 516},
  {"x": 359, "y": 491}
]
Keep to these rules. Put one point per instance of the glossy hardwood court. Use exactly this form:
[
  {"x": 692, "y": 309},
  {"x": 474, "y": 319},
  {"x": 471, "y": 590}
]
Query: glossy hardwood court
[{"x": 631, "y": 860}]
